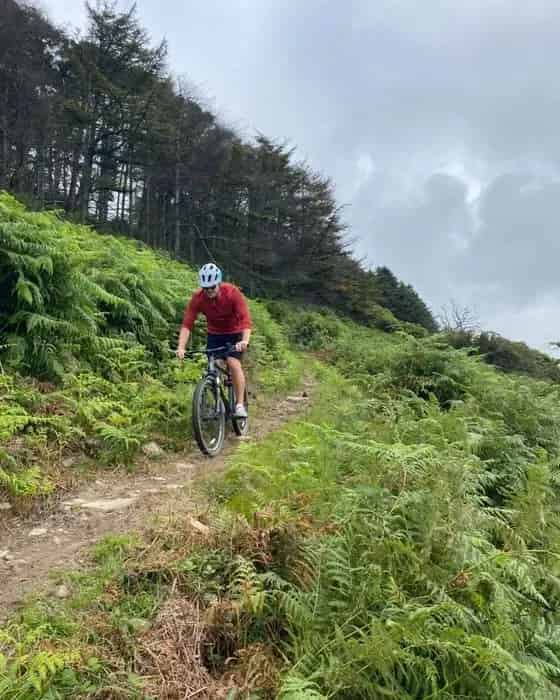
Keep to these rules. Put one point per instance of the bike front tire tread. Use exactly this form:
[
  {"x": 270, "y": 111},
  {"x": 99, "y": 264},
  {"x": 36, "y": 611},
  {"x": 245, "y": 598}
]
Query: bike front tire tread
[{"x": 198, "y": 431}]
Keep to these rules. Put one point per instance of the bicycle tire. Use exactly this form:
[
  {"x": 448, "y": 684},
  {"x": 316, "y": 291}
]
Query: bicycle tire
[
  {"x": 208, "y": 447},
  {"x": 241, "y": 425}
]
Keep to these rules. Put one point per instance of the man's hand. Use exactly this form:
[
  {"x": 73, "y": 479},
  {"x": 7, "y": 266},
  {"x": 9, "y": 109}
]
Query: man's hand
[
  {"x": 241, "y": 346},
  {"x": 180, "y": 353}
]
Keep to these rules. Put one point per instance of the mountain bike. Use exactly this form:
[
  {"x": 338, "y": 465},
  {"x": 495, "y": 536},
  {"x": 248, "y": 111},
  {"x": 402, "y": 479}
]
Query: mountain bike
[{"x": 213, "y": 404}]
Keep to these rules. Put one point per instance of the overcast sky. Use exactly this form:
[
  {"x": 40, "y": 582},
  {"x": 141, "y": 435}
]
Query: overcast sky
[{"x": 438, "y": 122}]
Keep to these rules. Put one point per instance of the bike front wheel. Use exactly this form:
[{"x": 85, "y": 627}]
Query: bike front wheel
[{"x": 208, "y": 417}]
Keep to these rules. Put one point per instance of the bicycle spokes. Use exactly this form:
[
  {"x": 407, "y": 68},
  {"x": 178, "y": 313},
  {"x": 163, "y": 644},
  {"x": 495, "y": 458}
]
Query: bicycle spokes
[
  {"x": 208, "y": 417},
  {"x": 210, "y": 409}
]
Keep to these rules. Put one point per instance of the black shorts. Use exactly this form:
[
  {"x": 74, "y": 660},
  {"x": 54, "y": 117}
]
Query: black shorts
[{"x": 217, "y": 340}]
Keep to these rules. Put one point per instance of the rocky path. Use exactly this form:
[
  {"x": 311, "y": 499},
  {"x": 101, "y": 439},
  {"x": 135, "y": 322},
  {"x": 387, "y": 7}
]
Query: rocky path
[{"x": 32, "y": 549}]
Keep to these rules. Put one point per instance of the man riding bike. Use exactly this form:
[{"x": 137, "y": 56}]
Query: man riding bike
[{"x": 229, "y": 322}]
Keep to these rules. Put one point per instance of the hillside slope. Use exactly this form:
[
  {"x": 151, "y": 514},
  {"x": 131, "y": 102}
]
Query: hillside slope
[
  {"x": 88, "y": 324},
  {"x": 401, "y": 541}
]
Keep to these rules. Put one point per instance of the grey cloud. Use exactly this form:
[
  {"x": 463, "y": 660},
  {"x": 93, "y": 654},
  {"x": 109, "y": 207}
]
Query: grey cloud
[
  {"x": 418, "y": 238},
  {"x": 518, "y": 244}
]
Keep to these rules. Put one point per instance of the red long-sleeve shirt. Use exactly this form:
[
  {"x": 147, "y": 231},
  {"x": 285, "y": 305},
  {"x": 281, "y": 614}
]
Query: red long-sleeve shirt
[{"x": 227, "y": 313}]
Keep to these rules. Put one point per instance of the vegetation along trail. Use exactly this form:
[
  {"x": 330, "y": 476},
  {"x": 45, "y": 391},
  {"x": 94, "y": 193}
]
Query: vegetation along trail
[
  {"x": 400, "y": 541},
  {"x": 119, "y": 502}
]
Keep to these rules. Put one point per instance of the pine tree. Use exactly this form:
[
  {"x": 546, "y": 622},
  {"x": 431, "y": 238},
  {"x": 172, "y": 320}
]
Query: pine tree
[{"x": 403, "y": 300}]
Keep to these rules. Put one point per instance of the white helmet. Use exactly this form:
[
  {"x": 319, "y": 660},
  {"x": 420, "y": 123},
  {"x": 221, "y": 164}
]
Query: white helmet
[{"x": 209, "y": 275}]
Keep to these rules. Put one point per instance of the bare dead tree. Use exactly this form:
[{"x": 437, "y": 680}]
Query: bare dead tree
[{"x": 454, "y": 317}]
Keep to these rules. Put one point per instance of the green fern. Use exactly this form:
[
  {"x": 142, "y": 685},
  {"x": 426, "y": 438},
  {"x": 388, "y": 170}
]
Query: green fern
[
  {"x": 29, "y": 671},
  {"x": 25, "y": 482}
]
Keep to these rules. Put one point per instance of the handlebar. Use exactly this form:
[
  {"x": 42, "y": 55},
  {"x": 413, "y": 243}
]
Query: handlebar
[{"x": 227, "y": 347}]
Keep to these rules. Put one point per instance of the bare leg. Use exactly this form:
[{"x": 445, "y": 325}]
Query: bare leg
[{"x": 237, "y": 378}]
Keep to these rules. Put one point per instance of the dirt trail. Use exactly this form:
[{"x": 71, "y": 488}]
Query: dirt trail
[{"x": 116, "y": 503}]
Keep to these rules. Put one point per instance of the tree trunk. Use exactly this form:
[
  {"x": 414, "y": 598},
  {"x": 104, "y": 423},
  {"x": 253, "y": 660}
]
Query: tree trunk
[
  {"x": 147, "y": 208},
  {"x": 163, "y": 226},
  {"x": 52, "y": 182},
  {"x": 4, "y": 150},
  {"x": 85, "y": 186},
  {"x": 130, "y": 195},
  {"x": 89, "y": 148},
  {"x": 177, "y": 246},
  {"x": 72, "y": 196},
  {"x": 193, "y": 246}
]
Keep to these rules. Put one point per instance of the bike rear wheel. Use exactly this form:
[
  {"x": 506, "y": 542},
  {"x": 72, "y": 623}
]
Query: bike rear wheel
[
  {"x": 208, "y": 417},
  {"x": 241, "y": 425}
]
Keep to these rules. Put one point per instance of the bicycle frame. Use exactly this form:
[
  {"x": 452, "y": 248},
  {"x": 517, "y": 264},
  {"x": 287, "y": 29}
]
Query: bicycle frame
[
  {"x": 215, "y": 370},
  {"x": 217, "y": 377}
]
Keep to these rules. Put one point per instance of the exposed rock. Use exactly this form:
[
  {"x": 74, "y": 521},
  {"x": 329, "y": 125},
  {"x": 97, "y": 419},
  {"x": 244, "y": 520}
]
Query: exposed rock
[
  {"x": 62, "y": 592},
  {"x": 5, "y": 506},
  {"x": 201, "y": 527},
  {"x": 69, "y": 462},
  {"x": 107, "y": 505},
  {"x": 184, "y": 466},
  {"x": 152, "y": 450},
  {"x": 38, "y": 532},
  {"x": 4, "y": 554},
  {"x": 73, "y": 502}
]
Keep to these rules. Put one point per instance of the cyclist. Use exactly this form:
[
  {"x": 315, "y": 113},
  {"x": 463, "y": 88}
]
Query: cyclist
[{"x": 229, "y": 322}]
